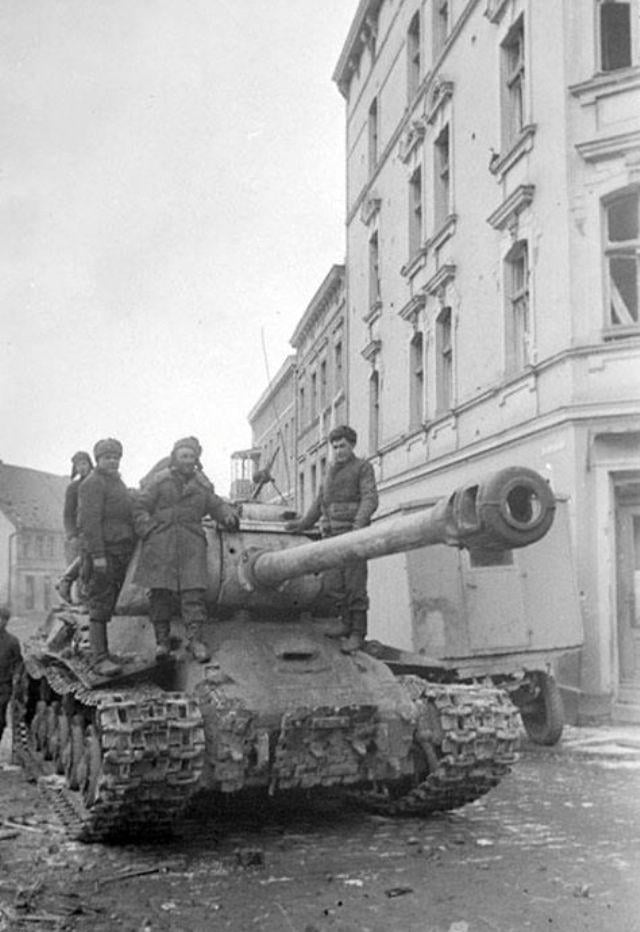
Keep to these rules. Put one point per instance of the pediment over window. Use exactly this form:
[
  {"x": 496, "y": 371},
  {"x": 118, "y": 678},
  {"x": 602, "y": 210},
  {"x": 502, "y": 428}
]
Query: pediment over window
[
  {"x": 370, "y": 207},
  {"x": 438, "y": 283},
  {"x": 412, "y": 308},
  {"x": 412, "y": 137},
  {"x": 371, "y": 350},
  {"x": 440, "y": 93},
  {"x": 594, "y": 150},
  {"x": 507, "y": 213}
]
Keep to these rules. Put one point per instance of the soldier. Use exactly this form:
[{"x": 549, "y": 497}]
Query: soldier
[
  {"x": 81, "y": 466},
  {"x": 10, "y": 660},
  {"x": 168, "y": 517},
  {"x": 105, "y": 521},
  {"x": 346, "y": 501}
]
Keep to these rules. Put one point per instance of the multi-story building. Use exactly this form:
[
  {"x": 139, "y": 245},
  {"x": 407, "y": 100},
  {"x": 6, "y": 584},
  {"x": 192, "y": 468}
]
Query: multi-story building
[
  {"x": 32, "y": 555},
  {"x": 273, "y": 433},
  {"x": 320, "y": 342},
  {"x": 493, "y": 261}
]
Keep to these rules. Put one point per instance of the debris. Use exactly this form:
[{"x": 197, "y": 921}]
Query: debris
[
  {"x": 484, "y": 842},
  {"x": 461, "y": 926},
  {"x": 582, "y": 890},
  {"x": 398, "y": 891},
  {"x": 249, "y": 857},
  {"x": 126, "y": 875},
  {"x": 354, "y": 883},
  {"x": 168, "y": 907},
  {"x": 5, "y": 836}
]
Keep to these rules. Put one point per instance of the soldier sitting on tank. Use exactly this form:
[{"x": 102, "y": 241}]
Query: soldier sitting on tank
[
  {"x": 105, "y": 521},
  {"x": 346, "y": 501},
  {"x": 168, "y": 517},
  {"x": 81, "y": 466}
]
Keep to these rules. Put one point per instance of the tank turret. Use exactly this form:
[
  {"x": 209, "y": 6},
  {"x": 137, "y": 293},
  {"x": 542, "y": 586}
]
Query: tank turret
[{"x": 278, "y": 707}]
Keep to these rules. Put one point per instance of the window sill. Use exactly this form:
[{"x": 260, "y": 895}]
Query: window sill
[
  {"x": 415, "y": 263},
  {"x": 500, "y": 164},
  {"x": 444, "y": 232},
  {"x": 606, "y": 82},
  {"x": 621, "y": 332}
]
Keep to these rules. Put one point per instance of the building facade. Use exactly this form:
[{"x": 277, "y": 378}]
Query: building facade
[
  {"x": 272, "y": 423},
  {"x": 320, "y": 342},
  {"x": 493, "y": 249},
  {"x": 32, "y": 554}
]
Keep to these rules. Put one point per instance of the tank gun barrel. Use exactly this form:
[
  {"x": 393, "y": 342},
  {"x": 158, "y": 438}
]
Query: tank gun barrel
[{"x": 511, "y": 508}]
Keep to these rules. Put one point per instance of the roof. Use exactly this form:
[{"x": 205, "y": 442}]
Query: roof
[
  {"x": 334, "y": 280},
  {"x": 362, "y": 25},
  {"x": 32, "y": 499},
  {"x": 284, "y": 372}
]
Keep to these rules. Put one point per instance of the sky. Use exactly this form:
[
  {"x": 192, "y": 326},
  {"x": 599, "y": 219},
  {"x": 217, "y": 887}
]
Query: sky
[{"x": 171, "y": 197}]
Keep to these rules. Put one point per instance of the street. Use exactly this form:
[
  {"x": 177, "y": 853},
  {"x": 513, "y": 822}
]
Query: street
[{"x": 555, "y": 846}]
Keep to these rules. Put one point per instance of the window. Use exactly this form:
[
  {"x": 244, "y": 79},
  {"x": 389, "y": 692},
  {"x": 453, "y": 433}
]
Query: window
[
  {"x": 323, "y": 384},
  {"x": 517, "y": 310},
  {"x": 323, "y": 467},
  {"x": 622, "y": 251},
  {"x": 40, "y": 545},
  {"x": 373, "y": 135},
  {"x": 337, "y": 359},
  {"x": 314, "y": 480},
  {"x": 48, "y": 593},
  {"x": 444, "y": 361},
  {"x": 413, "y": 56},
  {"x": 313, "y": 406},
  {"x": 374, "y": 412},
  {"x": 442, "y": 178},
  {"x": 29, "y": 592},
  {"x": 513, "y": 88},
  {"x": 615, "y": 35},
  {"x": 302, "y": 414},
  {"x": 374, "y": 271},
  {"x": 440, "y": 24},
  {"x": 415, "y": 213},
  {"x": 416, "y": 386}
]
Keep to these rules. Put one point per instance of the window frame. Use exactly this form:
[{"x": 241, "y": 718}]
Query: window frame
[
  {"x": 620, "y": 249},
  {"x": 417, "y": 379},
  {"x": 632, "y": 37},
  {"x": 414, "y": 55},
  {"x": 373, "y": 136},
  {"x": 375, "y": 294},
  {"x": 444, "y": 360},
  {"x": 442, "y": 176},
  {"x": 416, "y": 212},
  {"x": 514, "y": 84},
  {"x": 518, "y": 310}
]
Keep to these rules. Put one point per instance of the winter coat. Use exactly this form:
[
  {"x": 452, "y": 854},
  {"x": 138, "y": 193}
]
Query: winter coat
[
  {"x": 346, "y": 500},
  {"x": 168, "y": 515},
  {"x": 10, "y": 659},
  {"x": 105, "y": 518}
]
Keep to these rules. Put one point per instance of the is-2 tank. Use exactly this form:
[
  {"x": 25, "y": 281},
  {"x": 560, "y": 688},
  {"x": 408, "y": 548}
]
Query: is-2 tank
[{"x": 278, "y": 708}]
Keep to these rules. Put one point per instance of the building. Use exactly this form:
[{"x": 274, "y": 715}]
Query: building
[
  {"x": 320, "y": 342},
  {"x": 32, "y": 554},
  {"x": 493, "y": 247},
  {"x": 272, "y": 423}
]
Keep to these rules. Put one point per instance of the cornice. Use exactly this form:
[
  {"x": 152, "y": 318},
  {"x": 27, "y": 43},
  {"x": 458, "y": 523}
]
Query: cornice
[{"x": 508, "y": 211}]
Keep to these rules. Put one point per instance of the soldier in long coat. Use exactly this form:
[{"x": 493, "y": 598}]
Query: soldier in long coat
[{"x": 168, "y": 517}]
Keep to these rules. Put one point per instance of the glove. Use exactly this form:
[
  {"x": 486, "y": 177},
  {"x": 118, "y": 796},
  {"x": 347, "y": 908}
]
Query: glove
[
  {"x": 230, "y": 519},
  {"x": 294, "y": 527}
]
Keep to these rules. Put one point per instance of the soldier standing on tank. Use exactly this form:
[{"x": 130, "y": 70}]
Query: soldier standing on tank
[
  {"x": 10, "y": 660},
  {"x": 105, "y": 521},
  {"x": 81, "y": 466},
  {"x": 346, "y": 501},
  {"x": 173, "y": 562}
]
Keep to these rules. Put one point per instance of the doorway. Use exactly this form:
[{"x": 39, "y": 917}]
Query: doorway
[{"x": 628, "y": 582}]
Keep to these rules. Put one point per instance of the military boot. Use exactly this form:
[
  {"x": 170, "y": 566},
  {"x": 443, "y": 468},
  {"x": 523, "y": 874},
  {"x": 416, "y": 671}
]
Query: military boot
[
  {"x": 101, "y": 664},
  {"x": 199, "y": 650},
  {"x": 163, "y": 640},
  {"x": 357, "y": 633}
]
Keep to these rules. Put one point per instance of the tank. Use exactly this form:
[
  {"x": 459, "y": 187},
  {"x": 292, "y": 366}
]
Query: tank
[{"x": 278, "y": 709}]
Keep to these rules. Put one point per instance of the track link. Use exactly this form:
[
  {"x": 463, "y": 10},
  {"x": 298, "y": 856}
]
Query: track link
[
  {"x": 129, "y": 760},
  {"x": 467, "y": 737}
]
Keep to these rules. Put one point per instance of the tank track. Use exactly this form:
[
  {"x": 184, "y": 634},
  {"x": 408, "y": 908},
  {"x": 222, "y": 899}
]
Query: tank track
[
  {"x": 130, "y": 760},
  {"x": 466, "y": 736}
]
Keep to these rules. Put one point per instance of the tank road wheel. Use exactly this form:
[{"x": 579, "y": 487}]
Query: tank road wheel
[{"x": 542, "y": 712}]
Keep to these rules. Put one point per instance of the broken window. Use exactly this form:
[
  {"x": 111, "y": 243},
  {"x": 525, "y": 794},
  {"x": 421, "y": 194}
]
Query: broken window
[
  {"x": 517, "y": 309},
  {"x": 373, "y": 135},
  {"x": 415, "y": 212},
  {"x": 615, "y": 35},
  {"x": 444, "y": 361},
  {"x": 513, "y": 84},
  {"x": 374, "y": 271},
  {"x": 416, "y": 387},
  {"x": 413, "y": 56},
  {"x": 622, "y": 252},
  {"x": 442, "y": 178}
]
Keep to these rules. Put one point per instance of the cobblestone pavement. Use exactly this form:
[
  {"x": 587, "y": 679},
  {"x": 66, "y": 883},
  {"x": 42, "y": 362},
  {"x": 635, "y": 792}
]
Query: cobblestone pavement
[{"x": 555, "y": 846}]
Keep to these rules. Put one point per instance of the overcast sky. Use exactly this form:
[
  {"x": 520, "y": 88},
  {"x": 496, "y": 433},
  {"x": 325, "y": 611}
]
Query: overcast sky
[{"x": 172, "y": 188}]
